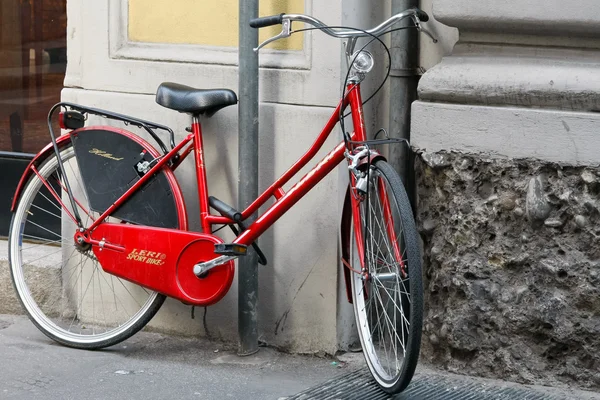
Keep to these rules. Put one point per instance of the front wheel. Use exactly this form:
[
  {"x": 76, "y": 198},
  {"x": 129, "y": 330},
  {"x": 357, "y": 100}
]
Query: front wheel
[{"x": 387, "y": 287}]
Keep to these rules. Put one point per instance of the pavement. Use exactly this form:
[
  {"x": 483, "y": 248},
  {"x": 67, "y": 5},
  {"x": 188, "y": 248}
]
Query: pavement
[
  {"x": 147, "y": 366},
  {"x": 156, "y": 366}
]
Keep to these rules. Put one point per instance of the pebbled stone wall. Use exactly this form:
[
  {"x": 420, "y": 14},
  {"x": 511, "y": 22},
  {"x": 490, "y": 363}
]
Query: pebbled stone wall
[{"x": 512, "y": 265}]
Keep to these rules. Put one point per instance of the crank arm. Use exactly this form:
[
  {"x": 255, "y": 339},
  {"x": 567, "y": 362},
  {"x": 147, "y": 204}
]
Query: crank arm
[{"x": 202, "y": 268}]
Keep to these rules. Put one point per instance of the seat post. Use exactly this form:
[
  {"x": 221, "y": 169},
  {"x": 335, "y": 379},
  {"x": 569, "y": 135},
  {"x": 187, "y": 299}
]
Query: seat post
[{"x": 200, "y": 173}]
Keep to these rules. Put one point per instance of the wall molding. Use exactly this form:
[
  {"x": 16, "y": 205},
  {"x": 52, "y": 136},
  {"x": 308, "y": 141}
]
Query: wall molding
[{"x": 120, "y": 47}]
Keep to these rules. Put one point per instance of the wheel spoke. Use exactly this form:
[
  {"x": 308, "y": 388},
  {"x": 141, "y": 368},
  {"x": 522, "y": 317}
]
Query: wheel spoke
[
  {"x": 115, "y": 294},
  {"x": 396, "y": 307},
  {"x": 46, "y": 211},
  {"x": 50, "y": 201},
  {"x": 45, "y": 229}
]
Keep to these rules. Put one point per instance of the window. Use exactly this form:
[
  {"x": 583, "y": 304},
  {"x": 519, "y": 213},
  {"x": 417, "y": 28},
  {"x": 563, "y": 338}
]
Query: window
[{"x": 33, "y": 60}]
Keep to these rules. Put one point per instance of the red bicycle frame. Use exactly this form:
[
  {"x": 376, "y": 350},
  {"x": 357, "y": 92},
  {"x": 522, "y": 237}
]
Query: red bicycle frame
[{"x": 284, "y": 201}]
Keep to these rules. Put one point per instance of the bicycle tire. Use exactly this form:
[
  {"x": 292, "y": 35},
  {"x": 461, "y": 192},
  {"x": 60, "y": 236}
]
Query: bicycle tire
[
  {"x": 386, "y": 278},
  {"x": 45, "y": 288}
]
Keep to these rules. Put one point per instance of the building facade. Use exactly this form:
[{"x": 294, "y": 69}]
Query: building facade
[
  {"x": 32, "y": 69},
  {"x": 507, "y": 173}
]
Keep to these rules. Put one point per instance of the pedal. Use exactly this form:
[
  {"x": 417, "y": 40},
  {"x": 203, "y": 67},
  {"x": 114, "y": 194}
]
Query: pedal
[{"x": 231, "y": 249}]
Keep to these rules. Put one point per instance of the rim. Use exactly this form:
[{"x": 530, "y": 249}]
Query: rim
[
  {"x": 382, "y": 300},
  {"x": 52, "y": 258}
]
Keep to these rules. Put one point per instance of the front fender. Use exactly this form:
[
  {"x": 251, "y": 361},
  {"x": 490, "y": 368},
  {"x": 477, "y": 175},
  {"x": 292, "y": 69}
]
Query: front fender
[
  {"x": 346, "y": 223},
  {"x": 374, "y": 156},
  {"x": 346, "y": 237}
]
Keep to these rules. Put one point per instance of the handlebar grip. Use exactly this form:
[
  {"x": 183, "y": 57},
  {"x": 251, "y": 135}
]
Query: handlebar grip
[
  {"x": 422, "y": 15},
  {"x": 266, "y": 21}
]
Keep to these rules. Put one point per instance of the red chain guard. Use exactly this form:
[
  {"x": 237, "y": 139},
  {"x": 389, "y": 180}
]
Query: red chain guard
[{"x": 163, "y": 260}]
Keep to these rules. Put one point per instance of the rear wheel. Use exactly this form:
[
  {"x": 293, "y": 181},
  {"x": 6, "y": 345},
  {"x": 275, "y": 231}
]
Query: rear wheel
[
  {"x": 387, "y": 288},
  {"x": 60, "y": 283}
]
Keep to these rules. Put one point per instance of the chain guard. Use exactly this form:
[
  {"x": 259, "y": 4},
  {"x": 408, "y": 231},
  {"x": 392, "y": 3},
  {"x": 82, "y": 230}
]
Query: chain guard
[{"x": 163, "y": 260}]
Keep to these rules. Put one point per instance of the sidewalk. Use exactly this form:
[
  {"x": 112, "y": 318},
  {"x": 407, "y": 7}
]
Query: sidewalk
[
  {"x": 147, "y": 366},
  {"x": 154, "y": 366}
]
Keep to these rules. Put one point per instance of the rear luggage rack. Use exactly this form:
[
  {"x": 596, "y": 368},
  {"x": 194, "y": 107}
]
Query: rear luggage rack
[{"x": 140, "y": 123}]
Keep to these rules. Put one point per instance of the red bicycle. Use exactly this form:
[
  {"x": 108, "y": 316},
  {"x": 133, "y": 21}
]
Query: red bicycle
[{"x": 99, "y": 234}]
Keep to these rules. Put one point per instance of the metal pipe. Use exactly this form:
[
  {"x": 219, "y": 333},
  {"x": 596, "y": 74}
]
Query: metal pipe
[
  {"x": 404, "y": 78},
  {"x": 248, "y": 173}
]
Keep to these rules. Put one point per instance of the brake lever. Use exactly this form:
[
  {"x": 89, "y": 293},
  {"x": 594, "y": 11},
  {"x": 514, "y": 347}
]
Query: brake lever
[
  {"x": 418, "y": 25},
  {"x": 425, "y": 31},
  {"x": 286, "y": 31}
]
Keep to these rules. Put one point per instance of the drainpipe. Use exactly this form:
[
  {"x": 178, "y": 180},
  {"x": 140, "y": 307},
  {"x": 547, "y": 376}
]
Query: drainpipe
[
  {"x": 248, "y": 174},
  {"x": 403, "y": 91}
]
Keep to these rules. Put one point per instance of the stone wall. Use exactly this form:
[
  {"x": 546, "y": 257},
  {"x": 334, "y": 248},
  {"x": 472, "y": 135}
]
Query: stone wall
[
  {"x": 512, "y": 266},
  {"x": 509, "y": 194}
]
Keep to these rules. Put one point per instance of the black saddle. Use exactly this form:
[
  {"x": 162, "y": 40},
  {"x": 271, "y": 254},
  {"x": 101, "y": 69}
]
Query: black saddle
[{"x": 194, "y": 101}]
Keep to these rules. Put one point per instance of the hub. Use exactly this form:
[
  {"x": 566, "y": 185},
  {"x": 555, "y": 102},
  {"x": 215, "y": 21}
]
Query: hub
[{"x": 81, "y": 242}]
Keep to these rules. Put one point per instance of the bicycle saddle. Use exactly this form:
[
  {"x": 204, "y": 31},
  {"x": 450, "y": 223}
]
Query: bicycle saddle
[{"x": 194, "y": 101}]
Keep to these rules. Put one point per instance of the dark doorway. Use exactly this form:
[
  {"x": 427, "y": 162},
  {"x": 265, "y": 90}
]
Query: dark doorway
[{"x": 33, "y": 60}]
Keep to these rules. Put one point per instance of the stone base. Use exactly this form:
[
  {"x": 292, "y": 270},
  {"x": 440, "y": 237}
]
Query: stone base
[
  {"x": 512, "y": 265},
  {"x": 9, "y": 304}
]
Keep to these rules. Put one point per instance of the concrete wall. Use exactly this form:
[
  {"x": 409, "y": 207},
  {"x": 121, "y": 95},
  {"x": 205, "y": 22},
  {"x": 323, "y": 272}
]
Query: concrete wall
[{"x": 507, "y": 130}]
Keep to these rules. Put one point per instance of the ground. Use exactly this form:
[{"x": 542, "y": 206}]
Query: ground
[{"x": 155, "y": 366}]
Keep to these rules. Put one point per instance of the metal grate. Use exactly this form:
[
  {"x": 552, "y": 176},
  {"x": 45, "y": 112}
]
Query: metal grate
[{"x": 360, "y": 385}]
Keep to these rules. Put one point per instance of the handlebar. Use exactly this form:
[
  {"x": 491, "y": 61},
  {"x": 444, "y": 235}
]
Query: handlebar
[
  {"x": 339, "y": 33},
  {"x": 352, "y": 34}
]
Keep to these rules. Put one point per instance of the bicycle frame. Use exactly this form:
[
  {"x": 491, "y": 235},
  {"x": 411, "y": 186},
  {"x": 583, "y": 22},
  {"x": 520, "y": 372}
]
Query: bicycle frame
[{"x": 284, "y": 201}]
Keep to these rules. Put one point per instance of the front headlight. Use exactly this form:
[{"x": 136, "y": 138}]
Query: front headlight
[{"x": 363, "y": 62}]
